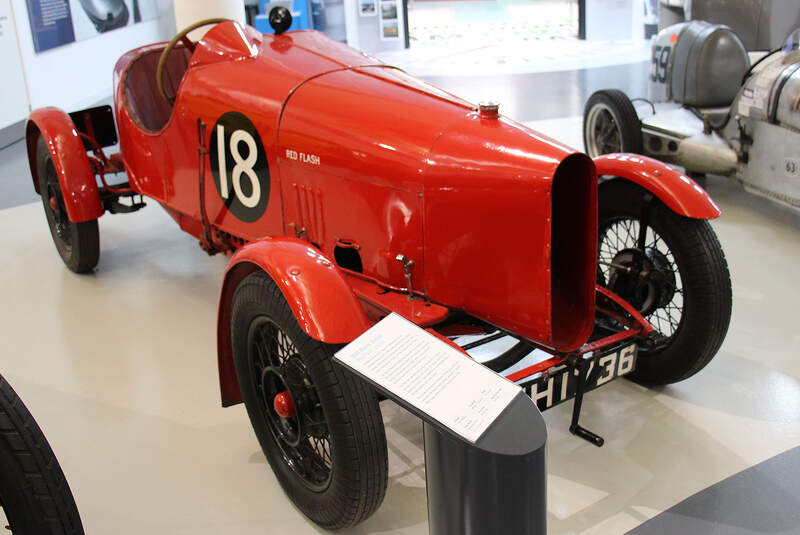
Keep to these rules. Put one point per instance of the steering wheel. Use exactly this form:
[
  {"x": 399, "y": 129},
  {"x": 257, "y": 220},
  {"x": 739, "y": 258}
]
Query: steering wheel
[{"x": 182, "y": 36}]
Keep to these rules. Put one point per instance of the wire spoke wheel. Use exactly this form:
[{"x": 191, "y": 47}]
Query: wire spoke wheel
[
  {"x": 610, "y": 124},
  {"x": 653, "y": 283},
  {"x": 319, "y": 426},
  {"x": 55, "y": 209},
  {"x": 604, "y": 135},
  {"x": 78, "y": 244},
  {"x": 673, "y": 271},
  {"x": 303, "y": 436}
]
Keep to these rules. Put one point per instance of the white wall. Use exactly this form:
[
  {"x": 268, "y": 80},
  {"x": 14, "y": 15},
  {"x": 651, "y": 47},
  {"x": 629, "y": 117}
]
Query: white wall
[
  {"x": 614, "y": 20},
  {"x": 78, "y": 75},
  {"x": 13, "y": 94}
]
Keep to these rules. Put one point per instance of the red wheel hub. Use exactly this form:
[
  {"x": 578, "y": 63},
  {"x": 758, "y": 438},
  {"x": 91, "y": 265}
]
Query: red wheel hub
[
  {"x": 54, "y": 204},
  {"x": 284, "y": 405}
]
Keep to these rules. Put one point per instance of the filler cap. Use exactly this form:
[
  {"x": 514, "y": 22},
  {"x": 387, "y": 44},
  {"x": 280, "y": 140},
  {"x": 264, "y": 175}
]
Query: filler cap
[{"x": 489, "y": 109}]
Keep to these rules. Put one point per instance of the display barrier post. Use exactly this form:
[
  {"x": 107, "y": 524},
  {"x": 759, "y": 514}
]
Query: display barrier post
[
  {"x": 496, "y": 485},
  {"x": 491, "y": 481}
]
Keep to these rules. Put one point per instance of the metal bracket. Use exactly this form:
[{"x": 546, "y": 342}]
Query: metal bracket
[
  {"x": 298, "y": 233},
  {"x": 112, "y": 203},
  {"x": 745, "y": 141},
  {"x": 206, "y": 243},
  {"x": 407, "y": 265},
  {"x": 577, "y": 362},
  {"x": 644, "y": 220}
]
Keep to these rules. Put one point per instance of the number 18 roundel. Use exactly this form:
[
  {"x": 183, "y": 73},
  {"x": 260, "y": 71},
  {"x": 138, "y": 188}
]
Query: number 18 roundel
[{"x": 240, "y": 168}]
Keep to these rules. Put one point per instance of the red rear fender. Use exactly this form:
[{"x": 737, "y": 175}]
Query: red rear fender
[
  {"x": 318, "y": 294},
  {"x": 75, "y": 175},
  {"x": 679, "y": 192}
]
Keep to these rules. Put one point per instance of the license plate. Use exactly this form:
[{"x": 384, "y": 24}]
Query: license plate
[{"x": 561, "y": 384}]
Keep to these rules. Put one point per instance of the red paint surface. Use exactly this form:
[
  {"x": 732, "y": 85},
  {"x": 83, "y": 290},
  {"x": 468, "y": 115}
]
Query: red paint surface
[
  {"x": 364, "y": 157},
  {"x": 403, "y": 168},
  {"x": 679, "y": 192},
  {"x": 75, "y": 175},
  {"x": 316, "y": 291},
  {"x": 284, "y": 405}
]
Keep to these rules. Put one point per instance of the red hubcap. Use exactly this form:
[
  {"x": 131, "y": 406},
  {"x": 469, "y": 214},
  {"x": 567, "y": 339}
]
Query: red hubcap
[
  {"x": 54, "y": 204},
  {"x": 284, "y": 405}
]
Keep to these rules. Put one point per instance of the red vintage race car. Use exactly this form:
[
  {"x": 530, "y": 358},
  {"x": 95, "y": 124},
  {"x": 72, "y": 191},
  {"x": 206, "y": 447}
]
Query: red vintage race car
[{"x": 344, "y": 189}]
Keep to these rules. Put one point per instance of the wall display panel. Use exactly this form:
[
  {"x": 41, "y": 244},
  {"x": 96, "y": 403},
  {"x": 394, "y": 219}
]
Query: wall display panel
[
  {"x": 56, "y": 23},
  {"x": 376, "y": 25},
  {"x": 366, "y": 8},
  {"x": 390, "y": 29}
]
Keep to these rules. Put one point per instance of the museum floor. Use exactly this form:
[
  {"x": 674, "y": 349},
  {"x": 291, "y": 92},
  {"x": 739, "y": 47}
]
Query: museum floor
[{"x": 119, "y": 368}]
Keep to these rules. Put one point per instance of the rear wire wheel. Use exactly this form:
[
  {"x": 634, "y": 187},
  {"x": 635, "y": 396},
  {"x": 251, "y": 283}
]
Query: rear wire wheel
[
  {"x": 678, "y": 280},
  {"x": 319, "y": 426},
  {"x": 77, "y": 243},
  {"x": 610, "y": 124}
]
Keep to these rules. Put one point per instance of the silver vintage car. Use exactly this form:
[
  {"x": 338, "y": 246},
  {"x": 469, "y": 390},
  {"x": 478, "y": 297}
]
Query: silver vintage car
[
  {"x": 710, "y": 110},
  {"x": 760, "y": 24}
]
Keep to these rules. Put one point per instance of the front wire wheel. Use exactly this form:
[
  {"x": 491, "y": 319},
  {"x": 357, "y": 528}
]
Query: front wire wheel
[
  {"x": 319, "y": 426},
  {"x": 674, "y": 273},
  {"x": 659, "y": 298}
]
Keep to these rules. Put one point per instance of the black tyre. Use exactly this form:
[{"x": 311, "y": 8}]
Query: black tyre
[
  {"x": 319, "y": 426},
  {"x": 610, "y": 124},
  {"x": 679, "y": 280},
  {"x": 77, "y": 243},
  {"x": 34, "y": 494}
]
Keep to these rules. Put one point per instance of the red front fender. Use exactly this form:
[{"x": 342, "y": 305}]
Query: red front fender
[
  {"x": 75, "y": 175},
  {"x": 318, "y": 294},
  {"x": 679, "y": 192}
]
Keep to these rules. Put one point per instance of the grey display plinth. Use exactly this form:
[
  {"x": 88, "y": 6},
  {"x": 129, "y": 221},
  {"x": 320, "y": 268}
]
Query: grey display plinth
[
  {"x": 484, "y": 438},
  {"x": 496, "y": 485}
]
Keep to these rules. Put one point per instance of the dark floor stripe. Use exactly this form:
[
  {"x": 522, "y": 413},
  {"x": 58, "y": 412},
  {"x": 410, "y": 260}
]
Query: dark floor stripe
[{"x": 762, "y": 499}]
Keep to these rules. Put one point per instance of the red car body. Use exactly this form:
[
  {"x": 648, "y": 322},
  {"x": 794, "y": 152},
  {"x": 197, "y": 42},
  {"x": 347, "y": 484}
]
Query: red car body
[{"x": 328, "y": 165}]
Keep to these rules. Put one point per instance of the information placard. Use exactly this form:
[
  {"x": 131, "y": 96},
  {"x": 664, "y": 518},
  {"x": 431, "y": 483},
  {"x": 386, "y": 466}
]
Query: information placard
[{"x": 430, "y": 375}]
